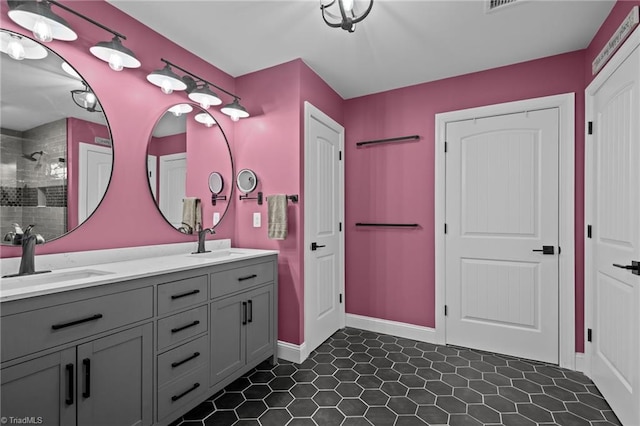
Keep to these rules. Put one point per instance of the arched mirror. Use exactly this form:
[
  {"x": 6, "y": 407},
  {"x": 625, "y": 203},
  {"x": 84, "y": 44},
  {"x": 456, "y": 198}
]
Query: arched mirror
[
  {"x": 189, "y": 157},
  {"x": 55, "y": 143}
]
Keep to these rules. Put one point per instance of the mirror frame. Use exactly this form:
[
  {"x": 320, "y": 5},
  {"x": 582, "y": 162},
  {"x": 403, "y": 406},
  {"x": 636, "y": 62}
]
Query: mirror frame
[
  {"x": 214, "y": 196},
  {"x": 107, "y": 125},
  {"x": 251, "y": 175},
  {"x": 220, "y": 182}
]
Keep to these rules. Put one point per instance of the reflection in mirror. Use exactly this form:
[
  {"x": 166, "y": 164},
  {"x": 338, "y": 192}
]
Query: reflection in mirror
[
  {"x": 247, "y": 181},
  {"x": 55, "y": 150},
  {"x": 182, "y": 152}
]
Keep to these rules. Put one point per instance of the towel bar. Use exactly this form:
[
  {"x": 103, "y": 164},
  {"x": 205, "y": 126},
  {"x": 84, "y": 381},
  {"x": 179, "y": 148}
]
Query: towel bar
[
  {"x": 396, "y": 225},
  {"x": 293, "y": 198},
  {"x": 401, "y": 138}
]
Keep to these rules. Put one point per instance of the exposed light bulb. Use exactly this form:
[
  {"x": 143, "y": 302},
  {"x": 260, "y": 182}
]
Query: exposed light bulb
[
  {"x": 42, "y": 31},
  {"x": 115, "y": 62},
  {"x": 205, "y": 104},
  {"x": 235, "y": 118},
  {"x": 90, "y": 100},
  {"x": 15, "y": 49},
  {"x": 165, "y": 86},
  {"x": 177, "y": 113},
  {"x": 348, "y": 5}
]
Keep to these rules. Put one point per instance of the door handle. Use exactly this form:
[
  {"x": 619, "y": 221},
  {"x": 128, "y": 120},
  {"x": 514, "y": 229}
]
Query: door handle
[
  {"x": 315, "y": 246},
  {"x": 634, "y": 267},
  {"x": 86, "y": 364},
  {"x": 70, "y": 392},
  {"x": 546, "y": 250}
]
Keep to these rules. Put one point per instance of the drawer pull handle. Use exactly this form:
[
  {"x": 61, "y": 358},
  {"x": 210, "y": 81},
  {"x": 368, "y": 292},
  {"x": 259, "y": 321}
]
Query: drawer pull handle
[
  {"x": 181, "y": 295},
  {"x": 244, "y": 313},
  {"x": 86, "y": 364},
  {"x": 179, "y": 363},
  {"x": 184, "y": 327},
  {"x": 250, "y": 302},
  {"x": 76, "y": 322},
  {"x": 248, "y": 277},
  {"x": 195, "y": 386},
  {"x": 69, "y": 399}
]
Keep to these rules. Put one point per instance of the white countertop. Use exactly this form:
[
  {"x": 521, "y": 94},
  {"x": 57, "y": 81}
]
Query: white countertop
[{"x": 72, "y": 271}]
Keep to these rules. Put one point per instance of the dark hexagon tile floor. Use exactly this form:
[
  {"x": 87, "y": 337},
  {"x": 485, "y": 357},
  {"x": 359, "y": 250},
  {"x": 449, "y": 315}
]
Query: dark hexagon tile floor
[{"x": 360, "y": 378}]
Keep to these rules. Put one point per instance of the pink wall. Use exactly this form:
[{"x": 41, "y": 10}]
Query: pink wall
[
  {"x": 128, "y": 215},
  {"x": 390, "y": 272},
  {"x": 78, "y": 131},
  {"x": 271, "y": 144}
]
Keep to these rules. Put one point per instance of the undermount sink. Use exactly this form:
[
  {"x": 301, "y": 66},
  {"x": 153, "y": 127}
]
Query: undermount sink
[
  {"x": 216, "y": 254},
  {"x": 10, "y": 283}
]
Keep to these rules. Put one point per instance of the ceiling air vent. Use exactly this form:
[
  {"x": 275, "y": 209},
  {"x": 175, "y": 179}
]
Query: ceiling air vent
[{"x": 498, "y": 4}]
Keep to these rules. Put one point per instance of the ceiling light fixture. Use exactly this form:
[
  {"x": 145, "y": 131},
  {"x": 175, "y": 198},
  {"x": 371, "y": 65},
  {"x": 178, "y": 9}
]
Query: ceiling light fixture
[
  {"x": 197, "y": 89},
  {"x": 86, "y": 99},
  {"x": 19, "y": 48},
  {"x": 347, "y": 18},
  {"x": 37, "y": 16}
]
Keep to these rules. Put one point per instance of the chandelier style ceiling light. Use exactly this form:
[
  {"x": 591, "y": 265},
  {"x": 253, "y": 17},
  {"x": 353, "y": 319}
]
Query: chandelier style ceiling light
[
  {"x": 37, "y": 16},
  {"x": 197, "y": 88},
  {"x": 342, "y": 14}
]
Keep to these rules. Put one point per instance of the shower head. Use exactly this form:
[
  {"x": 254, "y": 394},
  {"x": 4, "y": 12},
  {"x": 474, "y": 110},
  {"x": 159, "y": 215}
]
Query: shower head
[{"x": 30, "y": 156}]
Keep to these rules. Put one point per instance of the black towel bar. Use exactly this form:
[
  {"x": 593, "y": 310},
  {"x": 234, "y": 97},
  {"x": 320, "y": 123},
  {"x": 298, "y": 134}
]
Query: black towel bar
[
  {"x": 401, "y": 138},
  {"x": 293, "y": 198},
  {"x": 400, "y": 225}
]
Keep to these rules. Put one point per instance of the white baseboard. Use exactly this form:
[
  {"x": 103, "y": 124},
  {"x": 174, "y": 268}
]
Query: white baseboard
[
  {"x": 292, "y": 353},
  {"x": 394, "y": 328}
]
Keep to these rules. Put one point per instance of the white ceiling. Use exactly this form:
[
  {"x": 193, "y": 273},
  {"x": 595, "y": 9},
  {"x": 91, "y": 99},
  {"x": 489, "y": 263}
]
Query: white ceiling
[{"x": 401, "y": 42}]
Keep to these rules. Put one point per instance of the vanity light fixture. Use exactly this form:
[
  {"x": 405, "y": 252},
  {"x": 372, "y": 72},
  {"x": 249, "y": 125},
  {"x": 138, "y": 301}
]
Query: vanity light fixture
[
  {"x": 19, "y": 48},
  {"x": 180, "y": 109},
  {"x": 197, "y": 89},
  {"x": 343, "y": 15},
  {"x": 166, "y": 80},
  {"x": 37, "y": 16},
  {"x": 206, "y": 119},
  {"x": 235, "y": 110},
  {"x": 86, "y": 99}
]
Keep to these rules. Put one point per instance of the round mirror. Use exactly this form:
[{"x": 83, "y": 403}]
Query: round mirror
[
  {"x": 247, "y": 181},
  {"x": 55, "y": 143},
  {"x": 184, "y": 147},
  {"x": 216, "y": 183}
]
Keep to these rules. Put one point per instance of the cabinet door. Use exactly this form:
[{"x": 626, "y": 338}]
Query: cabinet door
[
  {"x": 228, "y": 321},
  {"x": 43, "y": 390},
  {"x": 114, "y": 379},
  {"x": 260, "y": 327}
]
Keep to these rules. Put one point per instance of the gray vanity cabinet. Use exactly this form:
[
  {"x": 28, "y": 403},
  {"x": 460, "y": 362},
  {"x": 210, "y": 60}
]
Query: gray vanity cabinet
[{"x": 103, "y": 382}]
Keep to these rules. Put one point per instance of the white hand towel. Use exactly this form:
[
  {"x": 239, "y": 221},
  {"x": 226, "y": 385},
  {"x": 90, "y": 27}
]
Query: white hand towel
[
  {"x": 191, "y": 214},
  {"x": 277, "y": 216}
]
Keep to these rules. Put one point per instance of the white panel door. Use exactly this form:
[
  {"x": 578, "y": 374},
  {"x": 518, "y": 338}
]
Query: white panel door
[
  {"x": 94, "y": 176},
  {"x": 324, "y": 259},
  {"x": 616, "y": 231},
  {"x": 502, "y": 206},
  {"x": 173, "y": 184}
]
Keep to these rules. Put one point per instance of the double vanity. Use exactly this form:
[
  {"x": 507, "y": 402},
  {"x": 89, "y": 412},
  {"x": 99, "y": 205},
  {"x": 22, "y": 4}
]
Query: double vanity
[{"x": 134, "y": 342}]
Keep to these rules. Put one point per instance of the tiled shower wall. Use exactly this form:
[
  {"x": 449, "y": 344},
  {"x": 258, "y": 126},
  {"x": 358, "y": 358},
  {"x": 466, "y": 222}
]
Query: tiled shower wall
[{"x": 34, "y": 192}]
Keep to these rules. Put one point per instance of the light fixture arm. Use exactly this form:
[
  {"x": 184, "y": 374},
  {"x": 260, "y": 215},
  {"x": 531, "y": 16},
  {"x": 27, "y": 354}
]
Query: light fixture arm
[
  {"x": 346, "y": 22},
  {"x": 86, "y": 18},
  {"x": 199, "y": 78}
]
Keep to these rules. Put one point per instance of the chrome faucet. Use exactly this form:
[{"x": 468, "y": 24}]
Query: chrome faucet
[
  {"x": 28, "y": 241},
  {"x": 202, "y": 233}
]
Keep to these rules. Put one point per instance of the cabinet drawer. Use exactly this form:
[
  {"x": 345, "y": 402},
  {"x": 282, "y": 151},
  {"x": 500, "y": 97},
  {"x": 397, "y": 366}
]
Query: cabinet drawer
[
  {"x": 40, "y": 329},
  {"x": 176, "y": 295},
  {"x": 231, "y": 280},
  {"x": 182, "y": 326},
  {"x": 183, "y": 359},
  {"x": 184, "y": 390}
]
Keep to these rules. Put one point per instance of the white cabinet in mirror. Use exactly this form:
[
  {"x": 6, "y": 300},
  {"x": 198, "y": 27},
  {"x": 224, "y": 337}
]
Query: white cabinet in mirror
[
  {"x": 54, "y": 141},
  {"x": 189, "y": 157}
]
